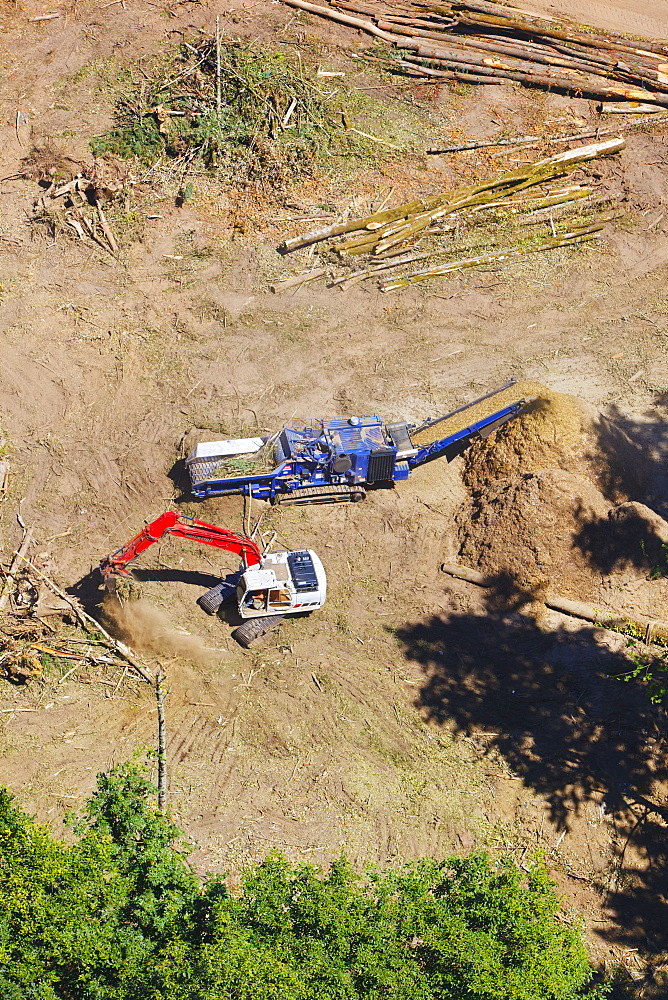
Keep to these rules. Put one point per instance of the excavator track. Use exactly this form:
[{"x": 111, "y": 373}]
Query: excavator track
[
  {"x": 254, "y": 629},
  {"x": 320, "y": 494}
]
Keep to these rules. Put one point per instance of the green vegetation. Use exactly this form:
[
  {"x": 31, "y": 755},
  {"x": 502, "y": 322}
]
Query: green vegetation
[
  {"x": 652, "y": 671},
  {"x": 119, "y": 915},
  {"x": 262, "y": 119}
]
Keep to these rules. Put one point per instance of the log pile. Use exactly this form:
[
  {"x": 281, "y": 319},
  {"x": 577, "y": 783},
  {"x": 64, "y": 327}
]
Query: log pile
[
  {"x": 481, "y": 42},
  {"x": 387, "y": 239}
]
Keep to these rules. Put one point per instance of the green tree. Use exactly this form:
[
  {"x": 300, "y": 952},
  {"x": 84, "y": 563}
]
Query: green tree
[{"x": 120, "y": 915}]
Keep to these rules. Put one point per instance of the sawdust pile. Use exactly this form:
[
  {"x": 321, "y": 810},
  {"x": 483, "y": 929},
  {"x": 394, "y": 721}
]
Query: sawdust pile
[
  {"x": 543, "y": 499},
  {"x": 557, "y": 431},
  {"x": 147, "y": 631}
]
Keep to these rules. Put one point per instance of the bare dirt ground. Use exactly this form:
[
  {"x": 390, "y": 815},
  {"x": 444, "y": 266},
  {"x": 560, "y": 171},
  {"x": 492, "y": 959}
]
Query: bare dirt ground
[
  {"x": 411, "y": 715},
  {"x": 649, "y": 20}
]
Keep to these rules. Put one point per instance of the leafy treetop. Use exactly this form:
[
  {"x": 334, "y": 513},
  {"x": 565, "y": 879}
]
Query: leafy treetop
[{"x": 120, "y": 915}]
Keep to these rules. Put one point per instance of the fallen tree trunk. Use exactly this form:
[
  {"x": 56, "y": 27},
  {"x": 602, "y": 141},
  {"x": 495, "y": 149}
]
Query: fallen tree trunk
[
  {"x": 353, "y": 22},
  {"x": 637, "y": 625}
]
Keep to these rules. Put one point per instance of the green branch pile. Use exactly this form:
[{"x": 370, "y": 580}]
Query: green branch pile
[
  {"x": 246, "y": 112},
  {"x": 383, "y": 238},
  {"x": 119, "y": 914}
]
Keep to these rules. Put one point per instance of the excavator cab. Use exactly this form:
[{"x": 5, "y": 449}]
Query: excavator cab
[
  {"x": 285, "y": 583},
  {"x": 254, "y": 600}
]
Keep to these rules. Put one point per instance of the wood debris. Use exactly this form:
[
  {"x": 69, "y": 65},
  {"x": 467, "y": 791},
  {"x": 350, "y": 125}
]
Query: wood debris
[
  {"x": 478, "y": 42},
  {"x": 387, "y": 239},
  {"x": 77, "y": 203},
  {"x": 28, "y": 600}
]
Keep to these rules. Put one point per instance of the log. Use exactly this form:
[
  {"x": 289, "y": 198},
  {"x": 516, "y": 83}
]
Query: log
[
  {"x": 618, "y": 620},
  {"x": 453, "y": 74},
  {"x": 280, "y": 286},
  {"x": 353, "y": 22},
  {"x": 533, "y": 54},
  {"x": 464, "y": 573},
  {"x": 385, "y": 229},
  {"x": 19, "y": 555},
  {"x": 627, "y": 108},
  {"x": 479, "y": 26},
  {"x": 340, "y": 228},
  {"x": 105, "y": 227},
  {"x": 568, "y": 80},
  {"x": 461, "y": 75},
  {"x": 536, "y": 54},
  {"x": 605, "y": 41},
  {"x": 501, "y": 10},
  {"x": 581, "y": 236}
]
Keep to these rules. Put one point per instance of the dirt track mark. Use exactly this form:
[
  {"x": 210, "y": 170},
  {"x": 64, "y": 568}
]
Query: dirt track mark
[{"x": 197, "y": 737}]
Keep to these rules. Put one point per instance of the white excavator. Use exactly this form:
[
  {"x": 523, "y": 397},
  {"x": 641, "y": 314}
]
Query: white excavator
[{"x": 267, "y": 586}]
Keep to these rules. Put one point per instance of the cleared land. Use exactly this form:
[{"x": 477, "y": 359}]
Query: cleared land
[{"x": 412, "y": 715}]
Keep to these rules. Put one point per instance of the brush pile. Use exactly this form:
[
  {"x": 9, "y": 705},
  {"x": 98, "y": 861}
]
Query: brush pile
[
  {"x": 479, "y": 42},
  {"x": 383, "y": 237},
  {"x": 248, "y": 114},
  {"x": 76, "y": 205},
  {"x": 31, "y": 645}
]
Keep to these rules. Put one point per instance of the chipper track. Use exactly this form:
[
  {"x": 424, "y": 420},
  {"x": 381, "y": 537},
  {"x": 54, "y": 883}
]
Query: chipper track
[{"x": 316, "y": 494}]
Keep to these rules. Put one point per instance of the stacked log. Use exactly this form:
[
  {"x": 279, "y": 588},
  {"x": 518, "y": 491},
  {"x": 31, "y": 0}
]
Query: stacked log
[
  {"x": 386, "y": 237},
  {"x": 479, "y": 42}
]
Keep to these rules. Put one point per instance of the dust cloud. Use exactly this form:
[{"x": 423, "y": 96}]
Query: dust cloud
[{"x": 148, "y": 631}]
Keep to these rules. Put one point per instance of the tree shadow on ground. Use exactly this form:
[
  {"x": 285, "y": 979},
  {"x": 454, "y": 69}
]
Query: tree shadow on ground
[
  {"x": 622, "y": 540},
  {"x": 631, "y": 457},
  {"x": 631, "y": 454},
  {"x": 565, "y": 724},
  {"x": 90, "y": 590},
  {"x": 193, "y": 577}
]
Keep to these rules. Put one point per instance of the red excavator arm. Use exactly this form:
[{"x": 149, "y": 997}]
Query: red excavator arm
[{"x": 173, "y": 523}]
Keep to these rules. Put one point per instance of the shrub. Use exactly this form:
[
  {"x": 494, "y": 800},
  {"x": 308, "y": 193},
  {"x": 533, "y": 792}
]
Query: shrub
[{"x": 120, "y": 915}]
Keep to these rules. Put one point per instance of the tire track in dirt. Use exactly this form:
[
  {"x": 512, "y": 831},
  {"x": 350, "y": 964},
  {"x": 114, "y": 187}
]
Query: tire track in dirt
[{"x": 189, "y": 734}]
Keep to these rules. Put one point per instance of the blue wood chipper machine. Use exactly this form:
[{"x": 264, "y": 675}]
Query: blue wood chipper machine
[{"x": 333, "y": 459}]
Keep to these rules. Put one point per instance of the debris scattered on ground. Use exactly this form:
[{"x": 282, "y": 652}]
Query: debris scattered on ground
[
  {"x": 478, "y": 42},
  {"x": 384, "y": 238},
  {"x": 28, "y": 601},
  {"x": 77, "y": 204}
]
